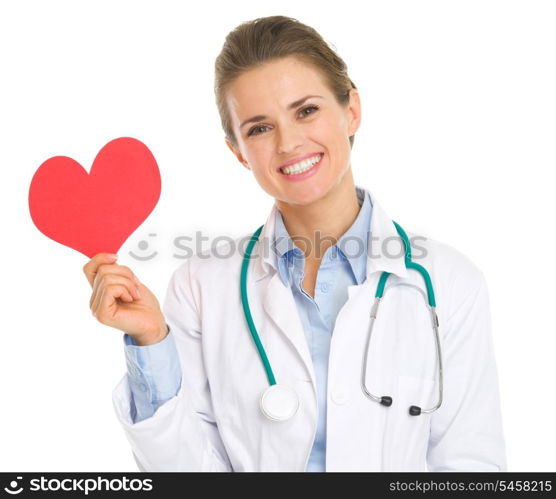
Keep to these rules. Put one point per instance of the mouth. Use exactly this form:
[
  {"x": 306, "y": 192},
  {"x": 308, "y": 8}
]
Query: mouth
[{"x": 302, "y": 166}]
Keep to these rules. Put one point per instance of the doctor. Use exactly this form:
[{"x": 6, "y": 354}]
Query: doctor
[{"x": 196, "y": 395}]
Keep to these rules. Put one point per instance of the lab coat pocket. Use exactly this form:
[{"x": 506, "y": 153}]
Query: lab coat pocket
[{"x": 408, "y": 435}]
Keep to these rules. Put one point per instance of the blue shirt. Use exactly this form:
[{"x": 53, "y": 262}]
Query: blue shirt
[{"x": 154, "y": 371}]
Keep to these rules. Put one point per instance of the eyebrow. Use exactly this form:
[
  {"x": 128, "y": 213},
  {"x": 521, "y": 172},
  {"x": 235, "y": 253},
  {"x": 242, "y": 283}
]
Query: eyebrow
[{"x": 293, "y": 105}]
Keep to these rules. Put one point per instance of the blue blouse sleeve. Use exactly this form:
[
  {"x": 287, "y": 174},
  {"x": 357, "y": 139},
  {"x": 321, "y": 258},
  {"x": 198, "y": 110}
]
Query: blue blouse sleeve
[{"x": 154, "y": 375}]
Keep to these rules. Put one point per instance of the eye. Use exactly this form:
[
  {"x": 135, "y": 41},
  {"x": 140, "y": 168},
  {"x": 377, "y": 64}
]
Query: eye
[
  {"x": 309, "y": 108},
  {"x": 253, "y": 130}
]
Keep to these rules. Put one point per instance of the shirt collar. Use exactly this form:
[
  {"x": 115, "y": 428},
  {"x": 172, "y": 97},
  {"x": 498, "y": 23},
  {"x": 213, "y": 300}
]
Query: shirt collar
[
  {"x": 352, "y": 245},
  {"x": 383, "y": 234}
]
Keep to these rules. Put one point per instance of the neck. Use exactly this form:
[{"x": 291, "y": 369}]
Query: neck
[{"x": 323, "y": 222}]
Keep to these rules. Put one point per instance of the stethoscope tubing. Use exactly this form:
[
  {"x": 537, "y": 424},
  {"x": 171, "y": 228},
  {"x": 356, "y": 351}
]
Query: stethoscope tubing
[
  {"x": 430, "y": 298},
  {"x": 247, "y": 310},
  {"x": 384, "y": 400}
]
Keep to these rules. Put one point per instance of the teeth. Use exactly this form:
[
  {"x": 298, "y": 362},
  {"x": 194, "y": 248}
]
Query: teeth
[{"x": 302, "y": 166}]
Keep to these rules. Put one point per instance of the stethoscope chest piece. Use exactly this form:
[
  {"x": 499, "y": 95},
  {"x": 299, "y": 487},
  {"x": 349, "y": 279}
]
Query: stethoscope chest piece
[{"x": 279, "y": 403}]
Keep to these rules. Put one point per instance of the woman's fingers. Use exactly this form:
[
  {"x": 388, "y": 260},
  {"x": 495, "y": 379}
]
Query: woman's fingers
[
  {"x": 105, "y": 270},
  {"x": 102, "y": 281},
  {"x": 103, "y": 306},
  {"x": 104, "y": 263},
  {"x": 91, "y": 267},
  {"x": 115, "y": 288}
]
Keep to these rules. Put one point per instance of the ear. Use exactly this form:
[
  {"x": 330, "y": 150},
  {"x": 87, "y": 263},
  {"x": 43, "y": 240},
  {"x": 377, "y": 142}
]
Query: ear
[
  {"x": 354, "y": 112},
  {"x": 237, "y": 154}
]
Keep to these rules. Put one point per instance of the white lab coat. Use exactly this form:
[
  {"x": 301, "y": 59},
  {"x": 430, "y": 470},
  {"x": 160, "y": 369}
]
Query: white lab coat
[{"x": 214, "y": 422}]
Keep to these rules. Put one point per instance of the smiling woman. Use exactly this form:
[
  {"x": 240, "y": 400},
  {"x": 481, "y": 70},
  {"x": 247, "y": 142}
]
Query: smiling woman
[
  {"x": 289, "y": 110},
  {"x": 304, "y": 313}
]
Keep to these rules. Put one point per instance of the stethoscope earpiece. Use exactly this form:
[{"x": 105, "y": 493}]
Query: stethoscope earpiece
[{"x": 414, "y": 410}]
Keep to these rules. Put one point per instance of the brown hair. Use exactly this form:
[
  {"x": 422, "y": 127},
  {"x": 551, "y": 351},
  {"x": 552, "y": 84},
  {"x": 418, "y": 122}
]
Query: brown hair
[{"x": 255, "y": 42}]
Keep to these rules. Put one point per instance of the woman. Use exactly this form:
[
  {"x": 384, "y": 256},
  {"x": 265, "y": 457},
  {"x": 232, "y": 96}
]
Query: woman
[{"x": 191, "y": 399}]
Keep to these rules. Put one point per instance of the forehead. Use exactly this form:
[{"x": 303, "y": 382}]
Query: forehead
[{"x": 275, "y": 83}]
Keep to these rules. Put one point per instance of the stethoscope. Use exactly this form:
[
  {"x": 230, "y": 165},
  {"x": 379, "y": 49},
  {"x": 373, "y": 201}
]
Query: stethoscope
[{"x": 280, "y": 402}]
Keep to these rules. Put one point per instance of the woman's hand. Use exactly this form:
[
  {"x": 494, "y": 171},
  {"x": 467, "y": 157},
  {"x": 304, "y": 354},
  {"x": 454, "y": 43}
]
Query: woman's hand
[{"x": 119, "y": 300}]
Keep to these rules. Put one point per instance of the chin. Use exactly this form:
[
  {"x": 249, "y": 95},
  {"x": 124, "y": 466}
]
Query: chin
[{"x": 305, "y": 197}]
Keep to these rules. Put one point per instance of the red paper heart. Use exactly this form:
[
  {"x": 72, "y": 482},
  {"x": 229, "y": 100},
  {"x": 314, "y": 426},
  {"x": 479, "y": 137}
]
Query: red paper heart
[{"x": 97, "y": 211}]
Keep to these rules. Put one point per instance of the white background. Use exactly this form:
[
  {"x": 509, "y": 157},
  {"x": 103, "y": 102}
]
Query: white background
[{"x": 457, "y": 142}]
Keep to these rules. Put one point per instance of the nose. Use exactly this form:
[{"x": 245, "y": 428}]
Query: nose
[{"x": 289, "y": 138}]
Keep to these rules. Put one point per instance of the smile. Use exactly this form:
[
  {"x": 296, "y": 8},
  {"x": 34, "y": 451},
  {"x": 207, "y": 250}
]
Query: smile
[{"x": 301, "y": 166}]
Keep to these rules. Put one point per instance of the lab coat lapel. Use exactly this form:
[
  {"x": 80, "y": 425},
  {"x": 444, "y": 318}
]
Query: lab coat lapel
[
  {"x": 278, "y": 301},
  {"x": 279, "y": 304}
]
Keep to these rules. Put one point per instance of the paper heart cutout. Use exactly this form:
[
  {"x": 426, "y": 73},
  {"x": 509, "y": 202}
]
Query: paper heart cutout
[{"x": 96, "y": 212}]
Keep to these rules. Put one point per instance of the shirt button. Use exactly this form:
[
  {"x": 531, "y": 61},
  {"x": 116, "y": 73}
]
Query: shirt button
[
  {"x": 324, "y": 287},
  {"x": 143, "y": 387},
  {"x": 338, "y": 396}
]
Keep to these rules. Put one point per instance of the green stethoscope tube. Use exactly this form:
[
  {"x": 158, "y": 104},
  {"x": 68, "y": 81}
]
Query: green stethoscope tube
[
  {"x": 246, "y": 309},
  {"x": 410, "y": 265}
]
